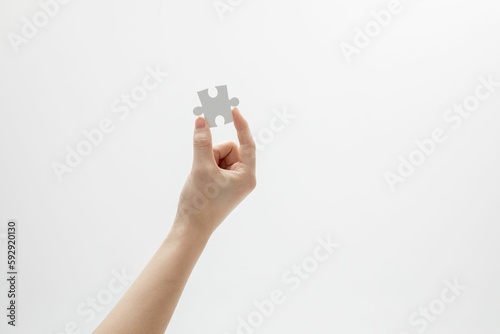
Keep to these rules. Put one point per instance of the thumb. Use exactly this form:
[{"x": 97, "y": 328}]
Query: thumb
[{"x": 202, "y": 143}]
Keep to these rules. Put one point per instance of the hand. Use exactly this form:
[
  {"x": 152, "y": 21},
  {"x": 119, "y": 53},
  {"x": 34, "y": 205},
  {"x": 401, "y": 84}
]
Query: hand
[{"x": 221, "y": 177}]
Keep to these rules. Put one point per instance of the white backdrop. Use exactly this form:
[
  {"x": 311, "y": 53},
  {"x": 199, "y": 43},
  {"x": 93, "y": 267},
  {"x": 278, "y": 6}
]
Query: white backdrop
[{"x": 377, "y": 125}]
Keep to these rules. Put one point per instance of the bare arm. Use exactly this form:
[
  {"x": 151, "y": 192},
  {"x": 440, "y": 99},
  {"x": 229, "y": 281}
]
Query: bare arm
[{"x": 221, "y": 177}]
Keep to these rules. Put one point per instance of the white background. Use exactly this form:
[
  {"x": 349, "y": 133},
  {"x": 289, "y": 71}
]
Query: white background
[{"x": 323, "y": 174}]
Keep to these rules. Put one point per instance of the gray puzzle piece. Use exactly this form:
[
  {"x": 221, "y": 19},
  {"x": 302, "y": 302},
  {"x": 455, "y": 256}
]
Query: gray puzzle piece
[{"x": 216, "y": 106}]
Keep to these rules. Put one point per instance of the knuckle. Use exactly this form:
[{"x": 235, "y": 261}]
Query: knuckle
[
  {"x": 251, "y": 182},
  {"x": 252, "y": 146},
  {"x": 201, "y": 141}
]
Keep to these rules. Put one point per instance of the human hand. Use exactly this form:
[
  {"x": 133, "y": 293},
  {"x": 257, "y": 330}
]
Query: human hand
[{"x": 221, "y": 177}]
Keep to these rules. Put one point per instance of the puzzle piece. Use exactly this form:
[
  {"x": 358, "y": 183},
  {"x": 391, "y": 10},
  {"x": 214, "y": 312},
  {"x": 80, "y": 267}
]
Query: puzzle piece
[{"x": 212, "y": 107}]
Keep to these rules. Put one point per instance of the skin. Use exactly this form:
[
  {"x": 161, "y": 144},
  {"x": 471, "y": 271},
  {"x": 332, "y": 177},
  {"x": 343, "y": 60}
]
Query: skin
[{"x": 225, "y": 175}]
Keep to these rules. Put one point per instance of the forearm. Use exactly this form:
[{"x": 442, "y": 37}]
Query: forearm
[{"x": 148, "y": 305}]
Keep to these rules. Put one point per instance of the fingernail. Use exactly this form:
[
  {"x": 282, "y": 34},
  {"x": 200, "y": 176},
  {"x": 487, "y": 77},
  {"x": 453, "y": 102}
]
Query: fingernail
[{"x": 200, "y": 123}]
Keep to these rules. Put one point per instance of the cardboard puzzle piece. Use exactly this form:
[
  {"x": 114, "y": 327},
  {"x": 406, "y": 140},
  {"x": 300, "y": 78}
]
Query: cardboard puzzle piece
[{"x": 212, "y": 107}]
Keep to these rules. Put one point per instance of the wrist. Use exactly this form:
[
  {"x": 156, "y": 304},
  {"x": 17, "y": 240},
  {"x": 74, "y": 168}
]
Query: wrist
[{"x": 191, "y": 231}]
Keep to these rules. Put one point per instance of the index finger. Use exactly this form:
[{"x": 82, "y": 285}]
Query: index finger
[{"x": 247, "y": 144}]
